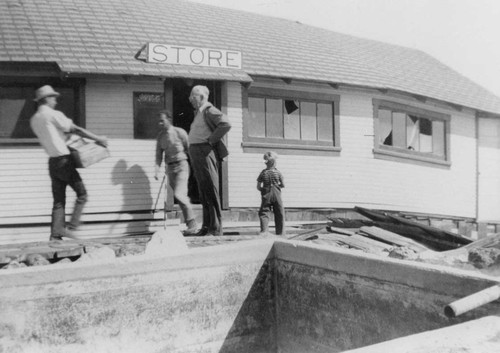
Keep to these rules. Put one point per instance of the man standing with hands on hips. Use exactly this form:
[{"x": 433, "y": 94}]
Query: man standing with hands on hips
[
  {"x": 51, "y": 127},
  {"x": 207, "y": 150}
]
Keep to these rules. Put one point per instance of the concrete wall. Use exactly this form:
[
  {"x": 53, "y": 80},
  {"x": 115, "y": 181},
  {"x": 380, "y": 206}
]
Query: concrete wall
[
  {"x": 334, "y": 300},
  {"x": 218, "y": 300},
  {"x": 255, "y": 296}
]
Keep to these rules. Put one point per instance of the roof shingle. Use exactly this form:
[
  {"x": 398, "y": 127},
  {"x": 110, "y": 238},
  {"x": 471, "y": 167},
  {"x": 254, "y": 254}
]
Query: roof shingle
[{"x": 106, "y": 35}]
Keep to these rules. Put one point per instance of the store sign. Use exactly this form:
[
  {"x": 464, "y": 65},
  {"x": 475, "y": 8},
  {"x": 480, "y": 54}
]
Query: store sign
[{"x": 193, "y": 56}]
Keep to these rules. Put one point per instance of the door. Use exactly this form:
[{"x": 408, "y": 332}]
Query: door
[{"x": 183, "y": 114}]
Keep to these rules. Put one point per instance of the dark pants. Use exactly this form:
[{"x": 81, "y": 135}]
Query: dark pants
[
  {"x": 63, "y": 173},
  {"x": 206, "y": 171},
  {"x": 271, "y": 200}
]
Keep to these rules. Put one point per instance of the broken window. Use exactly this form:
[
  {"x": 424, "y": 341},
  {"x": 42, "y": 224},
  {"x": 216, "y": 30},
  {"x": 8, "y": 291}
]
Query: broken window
[
  {"x": 402, "y": 127},
  {"x": 290, "y": 119}
]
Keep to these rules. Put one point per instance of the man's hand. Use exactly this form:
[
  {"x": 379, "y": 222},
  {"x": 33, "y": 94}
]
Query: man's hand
[
  {"x": 157, "y": 171},
  {"x": 102, "y": 140}
]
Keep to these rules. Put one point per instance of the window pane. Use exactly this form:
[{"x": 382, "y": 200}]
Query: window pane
[
  {"x": 438, "y": 138},
  {"x": 274, "y": 118},
  {"x": 292, "y": 119},
  {"x": 385, "y": 126},
  {"x": 257, "y": 117},
  {"x": 16, "y": 109},
  {"x": 308, "y": 120},
  {"x": 412, "y": 133},
  {"x": 146, "y": 108},
  {"x": 425, "y": 135},
  {"x": 325, "y": 122},
  {"x": 399, "y": 130}
]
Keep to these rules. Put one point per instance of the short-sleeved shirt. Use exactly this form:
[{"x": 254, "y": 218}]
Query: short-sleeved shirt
[
  {"x": 51, "y": 126},
  {"x": 174, "y": 143},
  {"x": 271, "y": 177}
]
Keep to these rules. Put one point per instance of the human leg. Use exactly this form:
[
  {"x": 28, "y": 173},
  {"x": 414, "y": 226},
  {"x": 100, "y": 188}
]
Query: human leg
[
  {"x": 58, "y": 183},
  {"x": 279, "y": 213},
  {"x": 205, "y": 168},
  {"x": 76, "y": 183},
  {"x": 264, "y": 212},
  {"x": 178, "y": 175}
]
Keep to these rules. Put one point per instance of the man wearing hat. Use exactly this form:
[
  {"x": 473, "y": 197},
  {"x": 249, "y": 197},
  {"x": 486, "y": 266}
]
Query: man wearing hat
[{"x": 51, "y": 127}]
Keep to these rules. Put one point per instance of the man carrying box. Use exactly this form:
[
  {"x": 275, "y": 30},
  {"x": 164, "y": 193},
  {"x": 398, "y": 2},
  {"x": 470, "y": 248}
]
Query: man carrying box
[{"x": 51, "y": 127}]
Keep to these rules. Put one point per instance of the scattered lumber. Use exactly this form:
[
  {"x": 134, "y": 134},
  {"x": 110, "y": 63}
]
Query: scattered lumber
[
  {"x": 443, "y": 234},
  {"x": 392, "y": 238},
  {"x": 359, "y": 242},
  {"x": 431, "y": 237}
]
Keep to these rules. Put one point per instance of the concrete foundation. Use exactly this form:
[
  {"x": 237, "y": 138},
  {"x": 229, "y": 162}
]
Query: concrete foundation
[{"x": 254, "y": 296}]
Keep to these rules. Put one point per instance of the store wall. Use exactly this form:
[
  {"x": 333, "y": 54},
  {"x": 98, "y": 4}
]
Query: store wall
[{"x": 355, "y": 176}]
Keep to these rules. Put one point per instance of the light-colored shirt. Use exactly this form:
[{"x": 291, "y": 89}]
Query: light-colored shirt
[
  {"x": 51, "y": 126},
  {"x": 172, "y": 142},
  {"x": 199, "y": 131}
]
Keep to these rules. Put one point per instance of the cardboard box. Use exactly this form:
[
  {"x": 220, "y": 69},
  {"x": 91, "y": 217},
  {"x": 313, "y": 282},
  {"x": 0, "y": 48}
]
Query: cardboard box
[{"x": 86, "y": 153}]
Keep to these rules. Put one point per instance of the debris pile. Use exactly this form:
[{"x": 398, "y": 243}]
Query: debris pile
[{"x": 397, "y": 237}]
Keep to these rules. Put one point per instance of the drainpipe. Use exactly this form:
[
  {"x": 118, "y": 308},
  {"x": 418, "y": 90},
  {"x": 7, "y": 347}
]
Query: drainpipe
[
  {"x": 472, "y": 301},
  {"x": 478, "y": 136}
]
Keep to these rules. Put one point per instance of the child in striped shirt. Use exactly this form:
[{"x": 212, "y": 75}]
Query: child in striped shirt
[{"x": 269, "y": 183}]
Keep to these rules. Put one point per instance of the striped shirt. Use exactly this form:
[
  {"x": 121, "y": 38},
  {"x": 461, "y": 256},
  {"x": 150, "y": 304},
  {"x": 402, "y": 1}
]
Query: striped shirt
[{"x": 271, "y": 177}]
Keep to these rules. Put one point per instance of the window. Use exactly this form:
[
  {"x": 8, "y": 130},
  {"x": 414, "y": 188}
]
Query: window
[
  {"x": 410, "y": 132},
  {"x": 290, "y": 120},
  {"x": 146, "y": 108},
  {"x": 17, "y": 107}
]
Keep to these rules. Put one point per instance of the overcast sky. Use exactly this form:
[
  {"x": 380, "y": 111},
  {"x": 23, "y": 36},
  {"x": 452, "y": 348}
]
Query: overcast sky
[{"x": 463, "y": 34}]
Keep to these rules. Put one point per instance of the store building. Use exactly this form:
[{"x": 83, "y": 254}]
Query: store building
[{"x": 355, "y": 121}]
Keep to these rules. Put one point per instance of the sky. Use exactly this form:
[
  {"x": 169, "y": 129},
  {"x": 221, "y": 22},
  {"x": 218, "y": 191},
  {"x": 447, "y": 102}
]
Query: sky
[{"x": 463, "y": 34}]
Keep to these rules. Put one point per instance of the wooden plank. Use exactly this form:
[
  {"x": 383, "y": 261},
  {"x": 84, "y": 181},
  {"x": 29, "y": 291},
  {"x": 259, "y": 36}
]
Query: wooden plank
[
  {"x": 342, "y": 231},
  {"x": 359, "y": 242},
  {"x": 392, "y": 238},
  {"x": 442, "y": 234},
  {"x": 372, "y": 214}
]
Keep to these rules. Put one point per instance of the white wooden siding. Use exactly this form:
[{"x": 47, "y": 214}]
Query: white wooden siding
[
  {"x": 121, "y": 183},
  {"x": 356, "y": 177},
  {"x": 489, "y": 170}
]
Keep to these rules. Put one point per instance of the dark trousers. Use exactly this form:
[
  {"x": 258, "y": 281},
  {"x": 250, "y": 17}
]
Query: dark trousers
[
  {"x": 206, "y": 171},
  {"x": 271, "y": 200},
  {"x": 63, "y": 173}
]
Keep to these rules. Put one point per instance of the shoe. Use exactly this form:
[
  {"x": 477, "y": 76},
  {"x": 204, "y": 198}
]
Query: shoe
[
  {"x": 264, "y": 234},
  {"x": 192, "y": 227},
  {"x": 201, "y": 233},
  {"x": 55, "y": 238},
  {"x": 215, "y": 233}
]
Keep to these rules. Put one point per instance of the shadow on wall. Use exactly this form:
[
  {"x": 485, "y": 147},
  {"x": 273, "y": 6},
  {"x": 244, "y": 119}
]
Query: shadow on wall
[
  {"x": 136, "y": 194},
  {"x": 254, "y": 328}
]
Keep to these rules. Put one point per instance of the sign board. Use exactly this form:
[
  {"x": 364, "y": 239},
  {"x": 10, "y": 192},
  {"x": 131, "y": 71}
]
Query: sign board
[{"x": 193, "y": 56}]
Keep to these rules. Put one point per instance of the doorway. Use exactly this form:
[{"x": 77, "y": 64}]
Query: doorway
[{"x": 183, "y": 115}]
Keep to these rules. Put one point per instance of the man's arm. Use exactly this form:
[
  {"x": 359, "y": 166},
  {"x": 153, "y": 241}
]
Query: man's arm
[
  {"x": 80, "y": 131},
  {"x": 158, "y": 159},
  {"x": 219, "y": 124}
]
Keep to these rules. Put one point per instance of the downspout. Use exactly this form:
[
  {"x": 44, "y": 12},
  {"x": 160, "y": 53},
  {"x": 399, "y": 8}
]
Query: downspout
[{"x": 477, "y": 168}]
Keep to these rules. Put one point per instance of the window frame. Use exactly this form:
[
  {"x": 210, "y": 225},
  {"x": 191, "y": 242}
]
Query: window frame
[
  {"x": 78, "y": 86},
  {"x": 291, "y": 146},
  {"x": 401, "y": 154}
]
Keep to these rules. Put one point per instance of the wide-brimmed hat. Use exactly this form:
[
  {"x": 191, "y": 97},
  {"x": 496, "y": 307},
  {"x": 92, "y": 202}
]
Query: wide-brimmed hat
[{"x": 45, "y": 91}]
